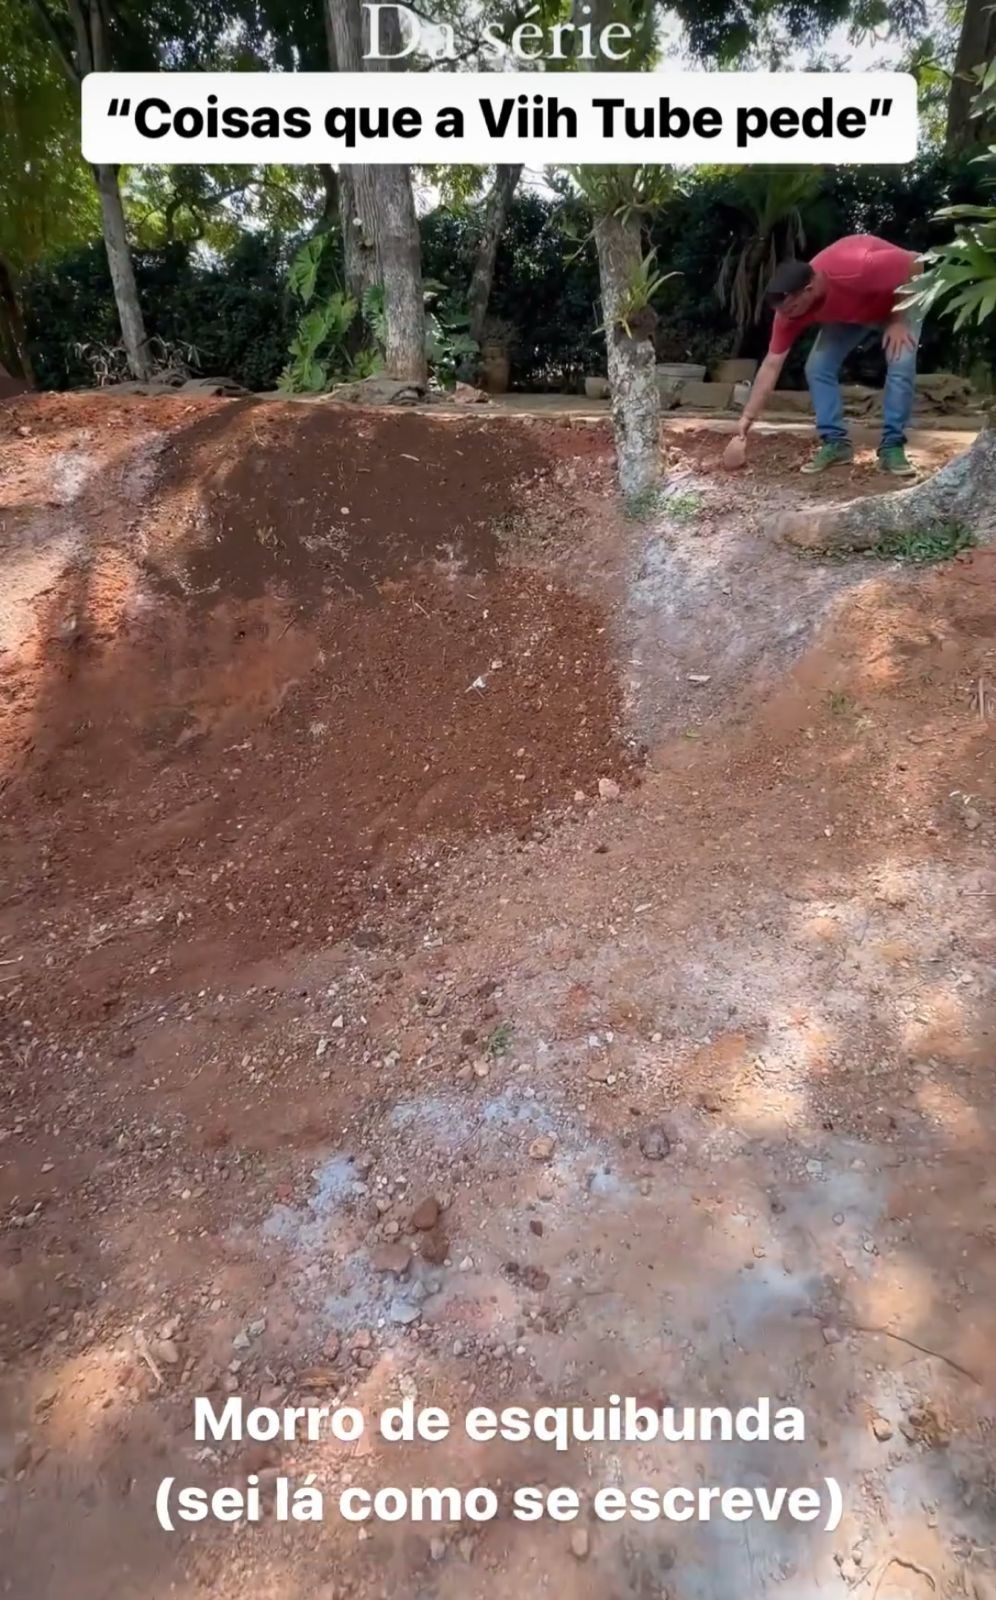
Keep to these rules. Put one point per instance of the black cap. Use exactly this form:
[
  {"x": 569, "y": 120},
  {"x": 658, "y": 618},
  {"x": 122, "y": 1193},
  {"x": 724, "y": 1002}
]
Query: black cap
[{"x": 788, "y": 278}]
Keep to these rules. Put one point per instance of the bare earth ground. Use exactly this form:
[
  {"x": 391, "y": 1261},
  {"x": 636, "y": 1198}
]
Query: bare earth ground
[{"x": 314, "y": 910}]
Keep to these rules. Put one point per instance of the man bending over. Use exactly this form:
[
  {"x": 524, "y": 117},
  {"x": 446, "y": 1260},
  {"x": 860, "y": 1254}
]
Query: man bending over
[{"x": 848, "y": 290}]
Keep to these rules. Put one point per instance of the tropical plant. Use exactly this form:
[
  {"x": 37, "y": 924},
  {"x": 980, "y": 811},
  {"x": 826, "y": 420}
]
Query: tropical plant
[
  {"x": 635, "y": 313},
  {"x": 449, "y": 347},
  {"x": 960, "y": 276},
  {"x": 627, "y": 192},
  {"x": 302, "y": 274},
  {"x": 319, "y": 352},
  {"x": 375, "y": 313},
  {"x": 772, "y": 198}
]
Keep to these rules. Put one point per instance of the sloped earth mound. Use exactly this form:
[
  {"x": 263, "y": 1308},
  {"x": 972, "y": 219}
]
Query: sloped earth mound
[
  {"x": 688, "y": 1097},
  {"x": 280, "y": 662}
]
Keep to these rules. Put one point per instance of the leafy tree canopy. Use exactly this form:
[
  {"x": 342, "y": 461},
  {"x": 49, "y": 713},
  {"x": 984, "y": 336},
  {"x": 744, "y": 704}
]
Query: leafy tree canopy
[{"x": 47, "y": 199}]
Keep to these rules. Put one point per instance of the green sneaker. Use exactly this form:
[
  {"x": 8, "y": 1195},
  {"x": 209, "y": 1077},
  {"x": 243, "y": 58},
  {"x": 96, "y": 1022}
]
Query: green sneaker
[
  {"x": 833, "y": 453},
  {"x": 892, "y": 458}
]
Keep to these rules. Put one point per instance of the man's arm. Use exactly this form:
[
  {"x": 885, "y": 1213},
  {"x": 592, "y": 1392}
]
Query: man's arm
[
  {"x": 764, "y": 384},
  {"x": 892, "y": 269}
]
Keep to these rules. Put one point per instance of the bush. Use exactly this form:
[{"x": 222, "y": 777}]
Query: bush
[
  {"x": 545, "y": 285},
  {"x": 236, "y": 310}
]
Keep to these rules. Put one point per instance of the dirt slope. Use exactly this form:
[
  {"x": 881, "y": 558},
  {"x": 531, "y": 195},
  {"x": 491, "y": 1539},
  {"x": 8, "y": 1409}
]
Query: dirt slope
[
  {"x": 302, "y": 927},
  {"x": 283, "y": 660}
]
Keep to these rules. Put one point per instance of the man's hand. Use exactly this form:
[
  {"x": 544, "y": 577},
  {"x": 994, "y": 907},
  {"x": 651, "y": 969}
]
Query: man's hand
[
  {"x": 897, "y": 338},
  {"x": 744, "y": 426}
]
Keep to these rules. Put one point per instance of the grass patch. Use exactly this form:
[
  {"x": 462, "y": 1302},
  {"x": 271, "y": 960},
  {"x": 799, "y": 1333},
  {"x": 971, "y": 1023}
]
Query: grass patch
[
  {"x": 840, "y": 704},
  {"x": 932, "y": 542},
  {"x": 684, "y": 506},
  {"x": 641, "y": 507},
  {"x": 499, "y": 1040},
  {"x": 678, "y": 505}
]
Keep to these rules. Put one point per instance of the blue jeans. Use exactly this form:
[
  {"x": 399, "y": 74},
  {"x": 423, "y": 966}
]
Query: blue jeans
[{"x": 836, "y": 340}]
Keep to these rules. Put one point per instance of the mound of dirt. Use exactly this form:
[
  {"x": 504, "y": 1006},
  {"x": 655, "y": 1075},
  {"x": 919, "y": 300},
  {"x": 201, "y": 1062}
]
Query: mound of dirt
[
  {"x": 286, "y": 677},
  {"x": 320, "y": 500}
]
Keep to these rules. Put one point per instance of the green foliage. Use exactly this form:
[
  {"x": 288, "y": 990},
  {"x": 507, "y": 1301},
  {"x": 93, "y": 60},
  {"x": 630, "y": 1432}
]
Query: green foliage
[
  {"x": 218, "y": 205},
  {"x": 235, "y": 312},
  {"x": 375, "y": 313},
  {"x": 302, "y": 274},
  {"x": 644, "y": 504},
  {"x": 725, "y": 31},
  {"x": 545, "y": 286},
  {"x": 448, "y": 346},
  {"x": 772, "y": 200},
  {"x": 499, "y": 1040},
  {"x": 684, "y": 505},
  {"x": 929, "y": 543},
  {"x": 644, "y": 284},
  {"x": 321, "y": 352},
  {"x": 49, "y": 202},
  {"x": 231, "y": 300},
  {"x": 960, "y": 279},
  {"x": 625, "y": 192},
  {"x": 324, "y": 328}
]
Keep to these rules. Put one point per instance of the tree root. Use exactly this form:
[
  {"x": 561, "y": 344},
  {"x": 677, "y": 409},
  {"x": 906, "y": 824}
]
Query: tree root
[{"x": 961, "y": 494}]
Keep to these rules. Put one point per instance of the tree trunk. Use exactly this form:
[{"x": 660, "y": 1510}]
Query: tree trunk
[
  {"x": 382, "y": 231},
  {"x": 976, "y": 46},
  {"x": 122, "y": 271},
  {"x": 399, "y": 256},
  {"x": 88, "y": 21},
  {"x": 356, "y": 213},
  {"x": 632, "y": 362},
  {"x": 359, "y": 259},
  {"x": 482, "y": 277},
  {"x": 962, "y": 494},
  {"x": 13, "y": 324},
  {"x": 330, "y": 183}
]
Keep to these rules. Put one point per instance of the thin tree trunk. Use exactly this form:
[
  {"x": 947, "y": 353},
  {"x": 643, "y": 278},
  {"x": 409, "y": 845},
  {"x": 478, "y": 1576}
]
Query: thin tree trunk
[
  {"x": 962, "y": 494},
  {"x": 87, "y": 18},
  {"x": 632, "y": 362},
  {"x": 382, "y": 220},
  {"x": 13, "y": 320},
  {"x": 122, "y": 271},
  {"x": 399, "y": 250},
  {"x": 976, "y": 47},
  {"x": 482, "y": 277}
]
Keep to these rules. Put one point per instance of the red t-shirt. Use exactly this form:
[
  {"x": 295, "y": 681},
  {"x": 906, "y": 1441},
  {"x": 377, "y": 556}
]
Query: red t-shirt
[{"x": 863, "y": 274}]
